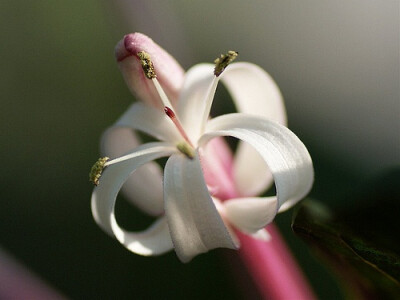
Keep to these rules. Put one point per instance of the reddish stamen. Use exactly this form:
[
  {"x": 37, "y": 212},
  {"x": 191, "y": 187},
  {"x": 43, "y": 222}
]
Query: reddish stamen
[{"x": 170, "y": 113}]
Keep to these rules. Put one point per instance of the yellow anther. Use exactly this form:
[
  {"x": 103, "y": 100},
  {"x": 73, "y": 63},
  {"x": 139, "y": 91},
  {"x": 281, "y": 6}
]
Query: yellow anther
[
  {"x": 223, "y": 61},
  {"x": 97, "y": 170},
  {"x": 147, "y": 64}
]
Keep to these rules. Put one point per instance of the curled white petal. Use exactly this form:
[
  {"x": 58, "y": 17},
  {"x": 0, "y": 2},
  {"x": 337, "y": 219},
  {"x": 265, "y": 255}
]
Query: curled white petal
[
  {"x": 121, "y": 138},
  {"x": 251, "y": 175},
  {"x": 284, "y": 153},
  {"x": 116, "y": 143},
  {"x": 251, "y": 214},
  {"x": 155, "y": 240},
  {"x": 193, "y": 220},
  {"x": 191, "y": 104},
  {"x": 104, "y": 196},
  {"x": 221, "y": 210},
  {"x": 254, "y": 92}
]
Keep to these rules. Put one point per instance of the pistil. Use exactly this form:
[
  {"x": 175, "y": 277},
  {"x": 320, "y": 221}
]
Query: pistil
[{"x": 170, "y": 113}]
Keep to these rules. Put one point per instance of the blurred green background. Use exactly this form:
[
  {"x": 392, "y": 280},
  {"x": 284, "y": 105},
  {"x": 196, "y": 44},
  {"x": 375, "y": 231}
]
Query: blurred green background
[{"x": 337, "y": 64}]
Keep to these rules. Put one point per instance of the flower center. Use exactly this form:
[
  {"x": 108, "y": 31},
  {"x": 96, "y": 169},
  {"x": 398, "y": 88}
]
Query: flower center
[
  {"x": 186, "y": 146},
  {"x": 186, "y": 149}
]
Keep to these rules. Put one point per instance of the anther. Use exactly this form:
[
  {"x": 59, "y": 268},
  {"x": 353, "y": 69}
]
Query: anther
[
  {"x": 150, "y": 73},
  {"x": 97, "y": 170},
  {"x": 223, "y": 61},
  {"x": 147, "y": 64}
]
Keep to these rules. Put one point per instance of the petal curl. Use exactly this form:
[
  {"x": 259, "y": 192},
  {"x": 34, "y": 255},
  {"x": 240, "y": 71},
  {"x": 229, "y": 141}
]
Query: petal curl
[
  {"x": 251, "y": 175},
  {"x": 254, "y": 92},
  {"x": 191, "y": 104},
  {"x": 121, "y": 139},
  {"x": 104, "y": 196},
  {"x": 250, "y": 215},
  {"x": 284, "y": 153},
  {"x": 194, "y": 222},
  {"x": 169, "y": 72},
  {"x": 155, "y": 240}
]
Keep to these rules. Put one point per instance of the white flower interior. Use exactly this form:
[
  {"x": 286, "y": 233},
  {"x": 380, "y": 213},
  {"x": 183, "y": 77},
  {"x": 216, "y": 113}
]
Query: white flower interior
[{"x": 189, "y": 220}]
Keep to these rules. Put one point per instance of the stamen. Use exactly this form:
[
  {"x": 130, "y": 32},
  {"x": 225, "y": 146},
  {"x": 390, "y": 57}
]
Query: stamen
[
  {"x": 147, "y": 64},
  {"x": 97, "y": 170},
  {"x": 186, "y": 149},
  {"x": 161, "y": 93},
  {"x": 133, "y": 155},
  {"x": 220, "y": 65},
  {"x": 170, "y": 113},
  {"x": 120, "y": 159},
  {"x": 223, "y": 61},
  {"x": 208, "y": 102},
  {"x": 149, "y": 71}
]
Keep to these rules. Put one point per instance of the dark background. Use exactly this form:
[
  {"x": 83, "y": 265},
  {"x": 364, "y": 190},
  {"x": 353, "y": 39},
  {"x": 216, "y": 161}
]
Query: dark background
[{"x": 337, "y": 64}]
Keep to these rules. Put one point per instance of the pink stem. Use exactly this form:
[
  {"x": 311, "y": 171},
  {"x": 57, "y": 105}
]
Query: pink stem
[{"x": 272, "y": 266}]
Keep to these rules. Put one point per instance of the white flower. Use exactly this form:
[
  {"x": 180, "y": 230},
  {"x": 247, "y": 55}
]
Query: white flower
[{"x": 189, "y": 219}]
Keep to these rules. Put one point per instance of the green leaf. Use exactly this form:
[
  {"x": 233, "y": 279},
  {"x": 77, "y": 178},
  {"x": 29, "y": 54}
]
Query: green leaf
[{"x": 361, "y": 244}]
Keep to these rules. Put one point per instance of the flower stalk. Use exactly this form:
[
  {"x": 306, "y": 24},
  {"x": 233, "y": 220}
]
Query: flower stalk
[
  {"x": 270, "y": 263},
  {"x": 273, "y": 268}
]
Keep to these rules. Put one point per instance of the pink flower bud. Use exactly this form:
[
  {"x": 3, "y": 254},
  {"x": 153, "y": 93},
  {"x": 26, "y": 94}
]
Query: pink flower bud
[{"x": 169, "y": 73}]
